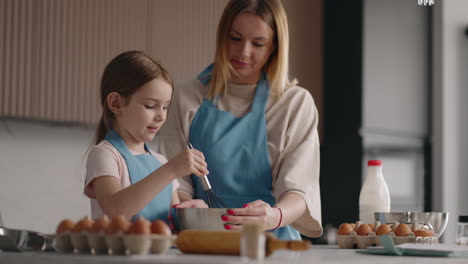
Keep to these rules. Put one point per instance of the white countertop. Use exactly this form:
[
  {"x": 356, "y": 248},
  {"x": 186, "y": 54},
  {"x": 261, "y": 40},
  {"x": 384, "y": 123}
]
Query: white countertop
[{"x": 317, "y": 254}]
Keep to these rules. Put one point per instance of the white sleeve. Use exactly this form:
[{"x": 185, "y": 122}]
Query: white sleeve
[{"x": 292, "y": 125}]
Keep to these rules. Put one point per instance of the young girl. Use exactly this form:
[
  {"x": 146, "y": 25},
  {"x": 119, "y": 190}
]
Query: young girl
[{"x": 123, "y": 176}]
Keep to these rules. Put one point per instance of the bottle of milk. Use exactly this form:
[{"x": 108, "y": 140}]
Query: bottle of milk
[{"x": 374, "y": 196}]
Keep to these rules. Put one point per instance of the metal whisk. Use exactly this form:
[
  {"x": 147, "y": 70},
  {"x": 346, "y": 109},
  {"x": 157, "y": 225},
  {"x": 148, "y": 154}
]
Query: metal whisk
[{"x": 212, "y": 199}]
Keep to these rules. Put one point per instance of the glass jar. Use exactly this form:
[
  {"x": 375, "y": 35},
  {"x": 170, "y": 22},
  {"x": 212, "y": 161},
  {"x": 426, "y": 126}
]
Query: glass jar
[
  {"x": 252, "y": 241},
  {"x": 462, "y": 230}
]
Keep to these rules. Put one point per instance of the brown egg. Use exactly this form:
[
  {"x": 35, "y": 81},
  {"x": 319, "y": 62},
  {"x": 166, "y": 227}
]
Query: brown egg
[
  {"x": 423, "y": 233},
  {"x": 353, "y": 225},
  {"x": 84, "y": 224},
  {"x": 65, "y": 225},
  {"x": 141, "y": 226},
  {"x": 364, "y": 230},
  {"x": 100, "y": 224},
  {"x": 383, "y": 229},
  {"x": 371, "y": 226},
  {"x": 345, "y": 229},
  {"x": 402, "y": 230},
  {"x": 118, "y": 223},
  {"x": 160, "y": 227}
]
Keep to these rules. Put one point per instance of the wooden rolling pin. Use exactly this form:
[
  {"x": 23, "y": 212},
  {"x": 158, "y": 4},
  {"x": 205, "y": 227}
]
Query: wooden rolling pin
[{"x": 228, "y": 243}]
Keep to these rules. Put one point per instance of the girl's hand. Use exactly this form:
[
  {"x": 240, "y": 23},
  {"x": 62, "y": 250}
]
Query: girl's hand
[
  {"x": 194, "y": 203},
  {"x": 190, "y": 161},
  {"x": 259, "y": 211}
]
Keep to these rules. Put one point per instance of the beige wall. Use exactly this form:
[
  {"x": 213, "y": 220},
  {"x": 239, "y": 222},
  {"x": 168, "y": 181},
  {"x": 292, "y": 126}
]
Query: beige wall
[
  {"x": 305, "y": 24},
  {"x": 53, "y": 52}
]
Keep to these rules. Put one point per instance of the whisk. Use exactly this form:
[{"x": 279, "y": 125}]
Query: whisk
[{"x": 213, "y": 200}]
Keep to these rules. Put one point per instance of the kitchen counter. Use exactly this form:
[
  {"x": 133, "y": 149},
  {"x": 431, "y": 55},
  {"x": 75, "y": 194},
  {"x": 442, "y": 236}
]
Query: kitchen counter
[{"x": 317, "y": 254}]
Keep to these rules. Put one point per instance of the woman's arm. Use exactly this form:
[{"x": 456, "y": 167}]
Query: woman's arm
[
  {"x": 186, "y": 201},
  {"x": 295, "y": 154},
  {"x": 292, "y": 206},
  {"x": 284, "y": 213},
  {"x": 295, "y": 159},
  {"x": 184, "y": 196},
  {"x": 175, "y": 198}
]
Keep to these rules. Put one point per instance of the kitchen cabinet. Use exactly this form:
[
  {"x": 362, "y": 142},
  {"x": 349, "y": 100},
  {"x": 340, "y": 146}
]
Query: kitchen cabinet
[{"x": 53, "y": 53}]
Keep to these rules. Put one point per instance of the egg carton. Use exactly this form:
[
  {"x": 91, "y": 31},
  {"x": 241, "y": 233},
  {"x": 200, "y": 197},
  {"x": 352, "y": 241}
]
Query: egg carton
[
  {"x": 353, "y": 240},
  {"x": 112, "y": 244}
]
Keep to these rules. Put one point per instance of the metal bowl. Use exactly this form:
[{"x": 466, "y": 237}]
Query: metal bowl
[
  {"x": 24, "y": 240},
  {"x": 437, "y": 221},
  {"x": 199, "y": 218}
]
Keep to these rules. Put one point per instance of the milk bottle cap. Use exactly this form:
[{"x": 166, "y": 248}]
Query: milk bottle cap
[{"x": 374, "y": 163}]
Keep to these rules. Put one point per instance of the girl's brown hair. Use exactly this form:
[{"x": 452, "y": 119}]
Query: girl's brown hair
[
  {"x": 125, "y": 74},
  {"x": 277, "y": 67}
]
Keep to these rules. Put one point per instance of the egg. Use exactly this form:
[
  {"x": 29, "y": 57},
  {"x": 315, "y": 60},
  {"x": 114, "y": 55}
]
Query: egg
[
  {"x": 118, "y": 224},
  {"x": 423, "y": 233},
  {"x": 371, "y": 226},
  {"x": 100, "y": 224},
  {"x": 141, "y": 226},
  {"x": 364, "y": 230},
  {"x": 345, "y": 229},
  {"x": 84, "y": 224},
  {"x": 65, "y": 225},
  {"x": 160, "y": 227},
  {"x": 353, "y": 225},
  {"x": 402, "y": 230},
  {"x": 383, "y": 229}
]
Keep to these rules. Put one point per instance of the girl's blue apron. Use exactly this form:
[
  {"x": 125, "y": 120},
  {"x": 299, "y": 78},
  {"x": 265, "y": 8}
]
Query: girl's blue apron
[
  {"x": 236, "y": 151},
  {"x": 140, "y": 166}
]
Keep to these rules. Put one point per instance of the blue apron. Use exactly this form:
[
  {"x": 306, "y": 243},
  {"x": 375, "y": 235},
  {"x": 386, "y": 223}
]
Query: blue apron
[
  {"x": 236, "y": 151},
  {"x": 140, "y": 166}
]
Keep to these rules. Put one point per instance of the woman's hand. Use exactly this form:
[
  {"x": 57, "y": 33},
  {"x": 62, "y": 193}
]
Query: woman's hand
[
  {"x": 259, "y": 211},
  {"x": 195, "y": 203},
  {"x": 190, "y": 161}
]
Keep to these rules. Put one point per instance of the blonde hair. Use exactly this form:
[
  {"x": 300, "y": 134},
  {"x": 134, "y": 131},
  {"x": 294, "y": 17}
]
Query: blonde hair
[{"x": 277, "y": 67}]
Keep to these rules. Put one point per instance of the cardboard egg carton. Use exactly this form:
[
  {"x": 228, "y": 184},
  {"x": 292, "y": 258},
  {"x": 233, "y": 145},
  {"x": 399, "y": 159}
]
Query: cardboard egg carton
[
  {"x": 353, "y": 240},
  {"x": 112, "y": 244}
]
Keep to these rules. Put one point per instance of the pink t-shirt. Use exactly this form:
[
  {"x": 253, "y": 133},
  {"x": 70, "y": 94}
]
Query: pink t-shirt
[{"x": 105, "y": 160}]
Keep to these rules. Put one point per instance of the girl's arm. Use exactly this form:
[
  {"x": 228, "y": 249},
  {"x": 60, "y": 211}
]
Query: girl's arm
[{"x": 115, "y": 200}]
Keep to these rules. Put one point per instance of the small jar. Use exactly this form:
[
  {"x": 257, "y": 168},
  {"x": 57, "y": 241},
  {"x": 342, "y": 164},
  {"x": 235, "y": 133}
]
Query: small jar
[
  {"x": 252, "y": 241},
  {"x": 462, "y": 230}
]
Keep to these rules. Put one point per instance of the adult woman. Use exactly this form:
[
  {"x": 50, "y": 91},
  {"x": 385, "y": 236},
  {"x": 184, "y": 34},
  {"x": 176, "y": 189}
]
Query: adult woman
[{"x": 256, "y": 129}]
